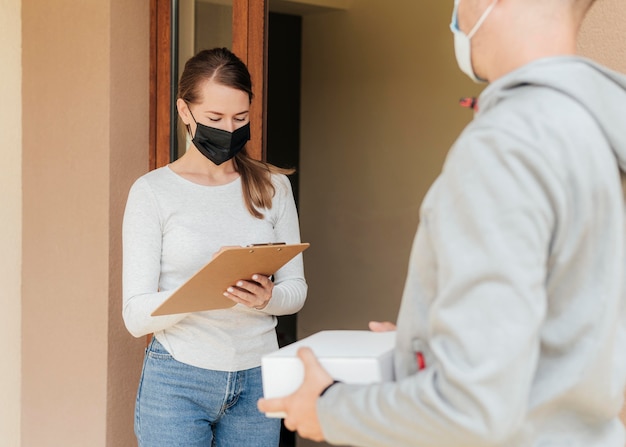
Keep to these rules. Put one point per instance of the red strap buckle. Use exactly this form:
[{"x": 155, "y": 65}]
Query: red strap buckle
[
  {"x": 469, "y": 102},
  {"x": 421, "y": 363}
]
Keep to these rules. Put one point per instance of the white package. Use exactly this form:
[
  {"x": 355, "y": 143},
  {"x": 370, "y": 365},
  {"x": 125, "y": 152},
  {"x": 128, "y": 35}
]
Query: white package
[{"x": 355, "y": 357}]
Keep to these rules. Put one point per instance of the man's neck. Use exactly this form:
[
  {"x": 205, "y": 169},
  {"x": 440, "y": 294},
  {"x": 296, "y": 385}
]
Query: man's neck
[{"x": 521, "y": 37}]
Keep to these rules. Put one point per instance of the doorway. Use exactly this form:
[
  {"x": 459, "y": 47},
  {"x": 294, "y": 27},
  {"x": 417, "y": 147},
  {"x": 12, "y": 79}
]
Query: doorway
[
  {"x": 283, "y": 131},
  {"x": 283, "y": 116}
]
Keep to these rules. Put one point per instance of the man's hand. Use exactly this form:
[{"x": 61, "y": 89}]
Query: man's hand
[
  {"x": 300, "y": 407},
  {"x": 381, "y": 326}
]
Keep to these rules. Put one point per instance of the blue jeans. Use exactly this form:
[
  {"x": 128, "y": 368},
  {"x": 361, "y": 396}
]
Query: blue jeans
[{"x": 182, "y": 405}]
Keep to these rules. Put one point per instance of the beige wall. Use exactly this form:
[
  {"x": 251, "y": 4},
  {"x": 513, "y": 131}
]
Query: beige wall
[
  {"x": 11, "y": 219},
  {"x": 85, "y": 97},
  {"x": 379, "y": 112},
  {"x": 603, "y": 35}
]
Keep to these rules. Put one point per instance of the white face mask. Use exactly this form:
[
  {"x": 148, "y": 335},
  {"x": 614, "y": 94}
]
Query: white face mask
[{"x": 462, "y": 41}]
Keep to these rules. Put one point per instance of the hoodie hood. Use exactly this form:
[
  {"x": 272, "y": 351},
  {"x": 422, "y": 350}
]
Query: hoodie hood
[{"x": 600, "y": 90}]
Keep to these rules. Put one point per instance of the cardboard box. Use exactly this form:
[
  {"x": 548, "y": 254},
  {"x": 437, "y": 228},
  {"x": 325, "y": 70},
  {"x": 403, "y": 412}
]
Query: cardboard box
[{"x": 356, "y": 357}]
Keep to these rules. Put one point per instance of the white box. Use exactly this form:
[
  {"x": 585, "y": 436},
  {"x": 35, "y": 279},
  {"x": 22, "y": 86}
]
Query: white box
[{"x": 356, "y": 357}]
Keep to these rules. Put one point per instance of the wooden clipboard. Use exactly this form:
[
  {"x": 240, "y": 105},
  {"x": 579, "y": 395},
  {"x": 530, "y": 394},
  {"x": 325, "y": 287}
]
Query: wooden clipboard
[{"x": 204, "y": 290}]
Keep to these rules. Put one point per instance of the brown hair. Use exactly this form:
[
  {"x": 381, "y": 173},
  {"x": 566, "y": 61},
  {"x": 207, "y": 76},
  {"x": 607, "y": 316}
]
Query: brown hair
[{"x": 223, "y": 67}]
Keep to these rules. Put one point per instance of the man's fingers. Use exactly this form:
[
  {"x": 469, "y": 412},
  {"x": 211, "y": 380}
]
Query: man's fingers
[
  {"x": 290, "y": 424},
  {"x": 299, "y": 407},
  {"x": 271, "y": 405},
  {"x": 381, "y": 326},
  {"x": 278, "y": 404},
  {"x": 308, "y": 358},
  {"x": 316, "y": 378}
]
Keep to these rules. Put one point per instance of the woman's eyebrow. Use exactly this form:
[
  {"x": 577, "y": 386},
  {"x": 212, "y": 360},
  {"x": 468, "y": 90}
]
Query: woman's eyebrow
[{"x": 222, "y": 114}]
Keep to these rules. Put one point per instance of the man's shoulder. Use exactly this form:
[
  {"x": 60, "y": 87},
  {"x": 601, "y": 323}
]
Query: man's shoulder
[
  {"x": 535, "y": 124},
  {"x": 535, "y": 113}
]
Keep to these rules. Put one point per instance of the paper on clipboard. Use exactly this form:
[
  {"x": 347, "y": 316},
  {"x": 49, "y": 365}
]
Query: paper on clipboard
[{"x": 204, "y": 290}]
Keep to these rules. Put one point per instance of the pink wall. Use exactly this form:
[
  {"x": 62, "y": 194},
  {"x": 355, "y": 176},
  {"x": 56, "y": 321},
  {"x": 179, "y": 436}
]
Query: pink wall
[{"x": 85, "y": 138}]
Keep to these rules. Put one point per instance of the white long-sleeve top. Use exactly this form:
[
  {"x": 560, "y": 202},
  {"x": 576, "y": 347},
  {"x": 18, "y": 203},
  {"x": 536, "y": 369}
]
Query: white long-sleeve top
[{"x": 172, "y": 227}]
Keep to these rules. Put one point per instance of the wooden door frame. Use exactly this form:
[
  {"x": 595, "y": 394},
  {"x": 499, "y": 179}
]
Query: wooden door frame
[
  {"x": 160, "y": 81},
  {"x": 250, "y": 22}
]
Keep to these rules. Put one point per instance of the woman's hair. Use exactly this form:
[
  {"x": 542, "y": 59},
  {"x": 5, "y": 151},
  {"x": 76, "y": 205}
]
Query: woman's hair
[{"x": 223, "y": 67}]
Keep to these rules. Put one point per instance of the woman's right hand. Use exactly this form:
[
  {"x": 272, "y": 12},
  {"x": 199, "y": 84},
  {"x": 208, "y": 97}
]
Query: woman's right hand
[{"x": 381, "y": 326}]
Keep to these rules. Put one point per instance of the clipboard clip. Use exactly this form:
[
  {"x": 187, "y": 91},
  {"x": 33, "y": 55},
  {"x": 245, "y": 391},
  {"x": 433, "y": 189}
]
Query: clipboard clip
[{"x": 266, "y": 244}]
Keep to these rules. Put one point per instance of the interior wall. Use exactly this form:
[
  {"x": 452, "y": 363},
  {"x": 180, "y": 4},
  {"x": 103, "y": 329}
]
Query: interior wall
[
  {"x": 213, "y": 26},
  {"x": 203, "y": 24},
  {"x": 11, "y": 218},
  {"x": 380, "y": 91},
  {"x": 85, "y": 95}
]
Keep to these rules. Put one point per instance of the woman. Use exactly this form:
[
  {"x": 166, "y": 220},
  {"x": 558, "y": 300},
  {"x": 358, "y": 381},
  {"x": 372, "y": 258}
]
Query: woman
[{"x": 201, "y": 377}]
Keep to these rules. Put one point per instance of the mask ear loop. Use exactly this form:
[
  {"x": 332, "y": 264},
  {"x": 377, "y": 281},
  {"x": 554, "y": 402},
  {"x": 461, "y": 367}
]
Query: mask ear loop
[
  {"x": 481, "y": 20},
  {"x": 188, "y": 126}
]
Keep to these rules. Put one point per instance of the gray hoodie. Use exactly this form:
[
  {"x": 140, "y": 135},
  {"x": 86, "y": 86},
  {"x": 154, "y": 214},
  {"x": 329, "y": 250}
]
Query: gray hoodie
[{"x": 515, "y": 293}]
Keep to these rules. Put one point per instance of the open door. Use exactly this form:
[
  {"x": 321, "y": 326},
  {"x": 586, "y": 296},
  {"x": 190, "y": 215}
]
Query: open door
[{"x": 249, "y": 42}]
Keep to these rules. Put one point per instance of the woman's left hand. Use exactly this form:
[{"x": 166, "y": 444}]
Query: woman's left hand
[{"x": 255, "y": 294}]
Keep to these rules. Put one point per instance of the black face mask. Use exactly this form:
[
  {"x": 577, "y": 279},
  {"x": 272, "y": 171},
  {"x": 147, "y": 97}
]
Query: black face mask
[{"x": 220, "y": 145}]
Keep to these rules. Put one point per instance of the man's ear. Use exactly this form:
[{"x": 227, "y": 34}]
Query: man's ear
[{"x": 183, "y": 111}]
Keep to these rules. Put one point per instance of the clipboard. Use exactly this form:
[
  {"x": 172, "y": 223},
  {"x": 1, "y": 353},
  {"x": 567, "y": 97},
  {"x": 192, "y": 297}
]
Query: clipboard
[{"x": 204, "y": 290}]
